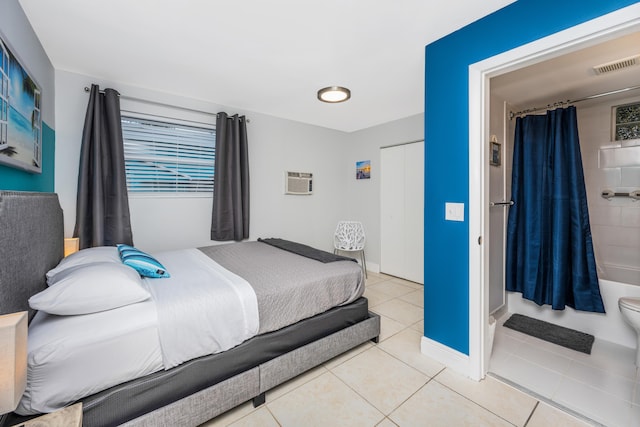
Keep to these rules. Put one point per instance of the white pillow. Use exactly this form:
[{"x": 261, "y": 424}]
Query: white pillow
[
  {"x": 84, "y": 289},
  {"x": 86, "y": 256}
]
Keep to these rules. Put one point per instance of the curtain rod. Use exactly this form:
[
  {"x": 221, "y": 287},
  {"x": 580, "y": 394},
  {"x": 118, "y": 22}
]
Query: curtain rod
[
  {"x": 568, "y": 101},
  {"x": 163, "y": 104},
  {"x": 88, "y": 89}
]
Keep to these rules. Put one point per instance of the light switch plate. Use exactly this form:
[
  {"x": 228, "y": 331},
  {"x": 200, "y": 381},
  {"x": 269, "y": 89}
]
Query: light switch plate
[{"x": 454, "y": 211}]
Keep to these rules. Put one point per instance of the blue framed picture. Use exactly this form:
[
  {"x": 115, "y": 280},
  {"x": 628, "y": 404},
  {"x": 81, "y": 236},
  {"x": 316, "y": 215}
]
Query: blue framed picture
[{"x": 20, "y": 118}]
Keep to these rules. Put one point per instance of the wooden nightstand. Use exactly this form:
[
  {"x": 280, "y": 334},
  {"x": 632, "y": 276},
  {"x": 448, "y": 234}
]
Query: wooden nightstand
[{"x": 71, "y": 416}]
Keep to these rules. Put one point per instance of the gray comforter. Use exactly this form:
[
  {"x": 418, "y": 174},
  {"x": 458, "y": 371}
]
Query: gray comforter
[{"x": 289, "y": 287}]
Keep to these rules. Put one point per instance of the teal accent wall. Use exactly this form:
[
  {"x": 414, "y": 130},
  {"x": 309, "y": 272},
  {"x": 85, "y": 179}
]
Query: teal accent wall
[
  {"x": 446, "y": 286},
  {"x": 19, "y": 180}
]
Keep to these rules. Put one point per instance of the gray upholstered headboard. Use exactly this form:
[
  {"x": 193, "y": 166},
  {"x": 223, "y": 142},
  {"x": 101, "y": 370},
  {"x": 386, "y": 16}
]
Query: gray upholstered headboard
[{"x": 31, "y": 243}]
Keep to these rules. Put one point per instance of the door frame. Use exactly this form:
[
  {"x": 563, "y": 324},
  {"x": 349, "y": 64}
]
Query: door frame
[{"x": 609, "y": 26}]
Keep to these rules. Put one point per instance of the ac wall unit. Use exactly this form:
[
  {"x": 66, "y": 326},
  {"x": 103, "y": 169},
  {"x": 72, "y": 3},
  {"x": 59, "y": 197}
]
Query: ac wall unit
[{"x": 298, "y": 183}]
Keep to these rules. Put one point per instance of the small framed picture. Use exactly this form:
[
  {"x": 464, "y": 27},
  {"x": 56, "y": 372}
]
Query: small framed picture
[
  {"x": 363, "y": 169},
  {"x": 495, "y": 154}
]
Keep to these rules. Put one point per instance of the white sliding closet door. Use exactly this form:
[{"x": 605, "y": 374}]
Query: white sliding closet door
[
  {"x": 402, "y": 211},
  {"x": 392, "y": 211}
]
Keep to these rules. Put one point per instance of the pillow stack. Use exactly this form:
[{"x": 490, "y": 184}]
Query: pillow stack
[
  {"x": 97, "y": 279},
  {"x": 89, "y": 281}
]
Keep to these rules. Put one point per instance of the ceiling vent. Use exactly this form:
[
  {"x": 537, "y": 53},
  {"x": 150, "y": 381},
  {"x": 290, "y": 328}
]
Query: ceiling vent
[{"x": 617, "y": 65}]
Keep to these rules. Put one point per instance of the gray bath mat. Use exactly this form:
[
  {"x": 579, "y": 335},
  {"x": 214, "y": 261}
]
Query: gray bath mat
[{"x": 565, "y": 337}]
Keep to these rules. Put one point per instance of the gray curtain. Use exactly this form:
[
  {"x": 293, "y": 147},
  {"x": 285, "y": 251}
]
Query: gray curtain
[
  {"x": 230, "y": 219},
  {"x": 102, "y": 208}
]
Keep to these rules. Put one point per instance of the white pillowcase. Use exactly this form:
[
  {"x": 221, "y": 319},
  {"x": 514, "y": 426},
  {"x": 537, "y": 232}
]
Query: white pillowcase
[
  {"x": 86, "y": 256},
  {"x": 90, "y": 288}
]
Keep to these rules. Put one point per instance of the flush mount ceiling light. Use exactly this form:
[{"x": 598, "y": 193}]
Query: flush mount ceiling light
[{"x": 333, "y": 94}]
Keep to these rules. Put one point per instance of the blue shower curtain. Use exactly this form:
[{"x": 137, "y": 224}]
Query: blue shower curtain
[{"x": 550, "y": 258}]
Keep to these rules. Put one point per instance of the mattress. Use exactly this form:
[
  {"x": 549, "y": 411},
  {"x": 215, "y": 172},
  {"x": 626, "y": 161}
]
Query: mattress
[
  {"x": 127, "y": 401},
  {"x": 130, "y": 400},
  {"x": 75, "y": 356}
]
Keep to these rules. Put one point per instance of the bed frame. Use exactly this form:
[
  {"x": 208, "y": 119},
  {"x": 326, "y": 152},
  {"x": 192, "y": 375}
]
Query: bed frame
[{"x": 31, "y": 243}]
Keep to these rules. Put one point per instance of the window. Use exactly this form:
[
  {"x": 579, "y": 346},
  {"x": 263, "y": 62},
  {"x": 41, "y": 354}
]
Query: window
[
  {"x": 163, "y": 157},
  {"x": 626, "y": 122}
]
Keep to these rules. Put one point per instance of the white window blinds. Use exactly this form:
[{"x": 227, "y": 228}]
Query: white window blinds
[{"x": 163, "y": 157}]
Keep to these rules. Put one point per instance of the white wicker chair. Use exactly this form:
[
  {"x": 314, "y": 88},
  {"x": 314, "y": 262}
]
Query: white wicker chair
[{"x": 350, "y": 237}]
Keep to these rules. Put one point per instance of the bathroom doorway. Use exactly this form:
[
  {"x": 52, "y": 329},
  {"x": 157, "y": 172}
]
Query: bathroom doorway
[
  {"x": 592, "y": 33},
  {"x": 494, "y": 131}
]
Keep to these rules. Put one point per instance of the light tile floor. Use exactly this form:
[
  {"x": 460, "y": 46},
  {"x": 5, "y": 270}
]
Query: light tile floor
[
  {"x": 393, "y": 384},
  {"x": 603, "y": 386}
]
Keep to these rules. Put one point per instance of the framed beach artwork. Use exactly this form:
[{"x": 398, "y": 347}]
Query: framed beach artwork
[
  {"x": 363, "y": 169},
  {"x": 20, "y": 118}
]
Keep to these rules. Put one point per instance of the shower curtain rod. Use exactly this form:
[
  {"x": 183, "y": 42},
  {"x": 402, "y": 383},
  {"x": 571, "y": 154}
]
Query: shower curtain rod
[
  {"x": 568, "y": 101},
  {"x": 88, "y": 89}
]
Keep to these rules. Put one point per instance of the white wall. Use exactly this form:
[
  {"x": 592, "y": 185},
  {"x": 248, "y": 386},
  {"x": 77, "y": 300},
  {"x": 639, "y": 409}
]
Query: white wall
[
  {"x": 275, "y": 145},
  {"x": 363, "y": 195},
  {"x": 615, "y": 223}
]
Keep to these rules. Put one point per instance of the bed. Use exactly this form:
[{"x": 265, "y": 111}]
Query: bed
[{"x": 195, "y": 390}]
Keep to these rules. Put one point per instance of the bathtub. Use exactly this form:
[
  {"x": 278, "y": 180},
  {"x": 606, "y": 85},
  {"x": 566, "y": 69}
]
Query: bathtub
[{"x": 609, "y": 327}]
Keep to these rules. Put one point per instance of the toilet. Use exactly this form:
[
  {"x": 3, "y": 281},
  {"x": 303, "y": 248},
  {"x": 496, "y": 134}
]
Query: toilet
[{"x": 630, "y": 309}]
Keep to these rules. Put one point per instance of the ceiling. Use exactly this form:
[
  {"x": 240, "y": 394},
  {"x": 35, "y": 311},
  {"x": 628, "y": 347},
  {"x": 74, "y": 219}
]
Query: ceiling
[
  {"x": 571, "y": 76},
  {"x": 263, "y": 56}
]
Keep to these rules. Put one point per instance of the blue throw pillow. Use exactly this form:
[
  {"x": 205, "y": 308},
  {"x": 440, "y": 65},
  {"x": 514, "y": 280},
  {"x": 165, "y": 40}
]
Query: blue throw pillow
[{"x": 143, "y": 263}]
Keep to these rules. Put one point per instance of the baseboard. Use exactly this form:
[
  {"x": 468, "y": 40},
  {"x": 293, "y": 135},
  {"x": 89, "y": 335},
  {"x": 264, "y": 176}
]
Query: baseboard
[
  {"x": 373, "y": 267},
  {"x": 449, "y": 357}
]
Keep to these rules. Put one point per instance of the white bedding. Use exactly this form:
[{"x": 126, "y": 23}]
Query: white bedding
[
  {"x": 218, "y": 316},
  {"x": 71, "y": 357}
]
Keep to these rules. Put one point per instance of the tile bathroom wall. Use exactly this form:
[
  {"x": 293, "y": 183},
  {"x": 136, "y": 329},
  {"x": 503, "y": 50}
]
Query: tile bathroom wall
[{"x": 615, "y": 223}]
